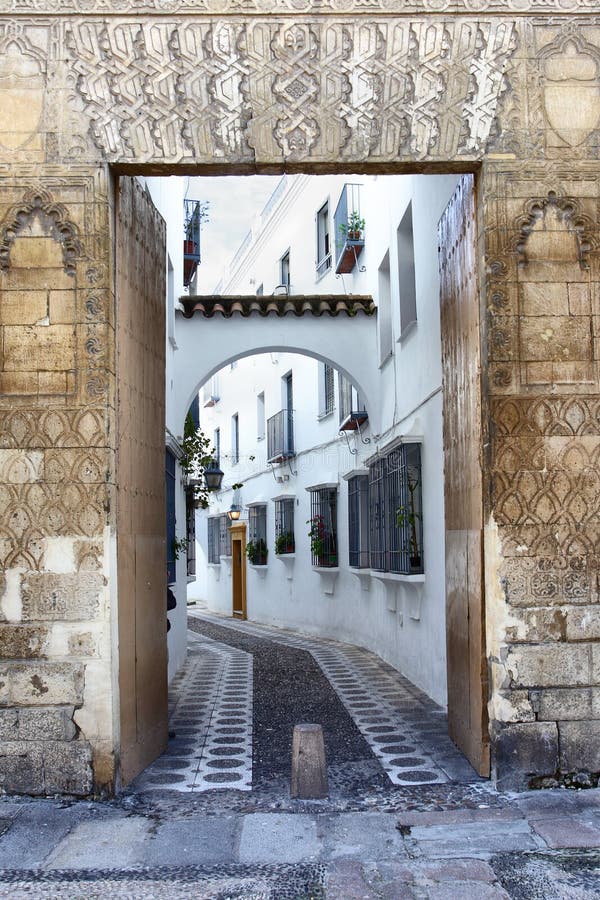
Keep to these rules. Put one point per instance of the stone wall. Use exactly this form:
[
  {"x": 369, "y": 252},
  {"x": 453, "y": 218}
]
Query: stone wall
[{"x": 513, "y": 89}]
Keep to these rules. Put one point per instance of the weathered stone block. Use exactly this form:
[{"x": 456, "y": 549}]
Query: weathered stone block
[
  {"x": 64, "y": 596},
  {"x": 55, "y": 344},
  {"x": 583, "y": 623},
  {"x": 565, "y": 703},
  {"x": 23, "y": 307},
  {"x": 9, "y": 725},
  {"x": 67, "y": 768},
  {"x": 21, "y": 767},
  {"x": 22, "y": 641},
  {"x": 579, "y": 746},
  {"x": 555, "y": 665},
  {"x": 523, "y": 751},
  {"x": 51, "y": 724},
  {"x": 537, "y": 625},
  {"x": 41, "y": 684}
]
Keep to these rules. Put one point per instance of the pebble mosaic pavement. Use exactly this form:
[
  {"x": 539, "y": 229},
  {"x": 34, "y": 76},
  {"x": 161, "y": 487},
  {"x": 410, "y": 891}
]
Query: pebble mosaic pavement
[{"x": 212, "y": 703}]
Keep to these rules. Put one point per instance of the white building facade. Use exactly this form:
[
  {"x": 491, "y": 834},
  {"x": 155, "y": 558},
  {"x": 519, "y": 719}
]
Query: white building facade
[{"x": 346, "y": 527}]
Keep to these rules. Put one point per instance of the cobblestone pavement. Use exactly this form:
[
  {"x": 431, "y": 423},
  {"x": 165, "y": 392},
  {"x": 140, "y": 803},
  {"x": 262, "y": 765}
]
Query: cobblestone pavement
[{"x": 212, "y": 819}]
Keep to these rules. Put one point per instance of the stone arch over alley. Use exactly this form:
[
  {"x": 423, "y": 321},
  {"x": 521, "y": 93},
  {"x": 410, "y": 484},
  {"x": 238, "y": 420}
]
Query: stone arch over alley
[
  {"x": 220, "y": 330},
  {"x": 92, "y": 95}
]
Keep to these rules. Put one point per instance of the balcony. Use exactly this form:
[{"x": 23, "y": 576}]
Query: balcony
[
  {"x": 280, "y": 436},
  {"x": 349, "y": 229},
  {"x": 191, "y": 239}
]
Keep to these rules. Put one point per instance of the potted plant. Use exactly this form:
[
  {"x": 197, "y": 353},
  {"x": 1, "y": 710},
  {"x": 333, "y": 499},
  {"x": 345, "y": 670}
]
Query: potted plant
[
  {"x": 354, "y": 227},
  {"x": 407, "y": 516},
  {"x": 257, "y": 551},
  {"x": 284, "y": 543},
  {"x": 322, "y": 543}
]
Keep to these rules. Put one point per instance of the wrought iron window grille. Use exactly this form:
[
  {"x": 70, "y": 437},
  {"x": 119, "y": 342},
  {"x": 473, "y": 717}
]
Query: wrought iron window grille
[{"x": 323, "y": 527}]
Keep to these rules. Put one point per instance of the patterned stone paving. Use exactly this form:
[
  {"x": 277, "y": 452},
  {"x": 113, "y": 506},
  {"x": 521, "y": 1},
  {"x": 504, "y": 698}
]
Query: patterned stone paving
[
  {"x": 210, "y": 721},
  {"x": 405, "y": 729}
]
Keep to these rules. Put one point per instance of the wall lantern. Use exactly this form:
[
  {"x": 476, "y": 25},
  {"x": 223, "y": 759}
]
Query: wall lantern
[
  {"x": 213, "y": 476},
  {"x": 234, "y": 512}
]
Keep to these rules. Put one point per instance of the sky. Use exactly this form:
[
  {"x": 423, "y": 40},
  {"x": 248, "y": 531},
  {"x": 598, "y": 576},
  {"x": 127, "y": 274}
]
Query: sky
[{"x": 233, "y": 204}]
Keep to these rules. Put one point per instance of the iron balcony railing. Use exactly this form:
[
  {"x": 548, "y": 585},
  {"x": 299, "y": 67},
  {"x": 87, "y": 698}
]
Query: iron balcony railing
[{"x": 280, "y": 436}]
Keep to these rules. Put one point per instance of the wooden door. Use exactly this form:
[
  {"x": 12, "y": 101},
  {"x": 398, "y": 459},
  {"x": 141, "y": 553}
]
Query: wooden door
[
  {"x": 463, "y": 445},
  {"x": 238, "y": 570},
  {"x": 140, "y": 479}
]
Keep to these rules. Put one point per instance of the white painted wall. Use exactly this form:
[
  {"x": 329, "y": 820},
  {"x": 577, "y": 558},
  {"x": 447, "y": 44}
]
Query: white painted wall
[{"x": 408, "y": 386}]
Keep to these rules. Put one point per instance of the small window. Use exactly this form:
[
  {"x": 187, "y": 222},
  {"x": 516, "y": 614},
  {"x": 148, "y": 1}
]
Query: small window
[
  {"x": 323, "y": 527},
  {"x": 384, "y": 310},
  {"x": 256, "y": 547},
  {"x": 326, "y": 389},
  {"x": 224, "y": 535},
  {"x": 235, "y": 439},
  {"x": 214, "y": 539},
  {"x": 210, "y": 393},
  {"x": 323, "y": 241},
  {"x": 406, "y": 271},
  {"x": 260, "y": 416},
  {"x": 170, "y": 464},
  {"x": 217, "y": 444},
  {"x": 284, "y": 269},
  {"x": 284, "y": 526},
  {"x": 358, "y": 521}
]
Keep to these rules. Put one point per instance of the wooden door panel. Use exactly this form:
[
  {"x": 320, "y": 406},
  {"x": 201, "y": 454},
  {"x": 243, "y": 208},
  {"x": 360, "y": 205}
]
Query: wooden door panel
[
  {"x": 140, "y": 479},
  {"x": 463, "y": 492}
]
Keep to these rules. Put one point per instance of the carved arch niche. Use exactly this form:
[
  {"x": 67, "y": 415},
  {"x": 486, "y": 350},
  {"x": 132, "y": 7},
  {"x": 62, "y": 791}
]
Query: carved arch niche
[
  {"x": 556, "y": 339},
  {"x": 39, "y": 248}
]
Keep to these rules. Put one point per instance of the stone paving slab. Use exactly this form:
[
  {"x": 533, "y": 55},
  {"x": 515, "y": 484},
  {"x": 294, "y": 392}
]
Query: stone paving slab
[
  {"x": 199, "y": 840},
  {"x": 35, "y": 831},
  {"x": 361, "y": 835},
  {"x": 278, "y": 838},
  {"x": 113, "y": 843},
  {"x": 565, "y": 832},
  {"x": 473, "y": 840}
]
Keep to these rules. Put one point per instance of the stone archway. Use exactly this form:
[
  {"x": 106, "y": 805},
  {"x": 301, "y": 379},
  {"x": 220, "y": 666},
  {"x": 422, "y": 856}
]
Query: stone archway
[{"x": 513, "y": 90}]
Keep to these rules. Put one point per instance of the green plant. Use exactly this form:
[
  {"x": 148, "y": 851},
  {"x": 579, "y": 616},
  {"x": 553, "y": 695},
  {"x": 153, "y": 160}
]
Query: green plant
[
  {"x": 407, "y": 515},
  {"x": 179, "y": 546},
  {"x": 284, "y": 542},
  {"x": 322, "y": 542},
  {"x": 354, "y": 227},
  {"x": 196, "y": 456},
  {"x": 257, "y": 551}
]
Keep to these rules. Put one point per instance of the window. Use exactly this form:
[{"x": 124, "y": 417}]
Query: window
[
  {"x": 323, "y": 245},
  {"x": 210, "y": 393},
  {"x": 326, "y": 389},
  {"x": 384, "y": 310},
  {"x": 170, "y": 463},
  {"x": 406, "y": 271},
  {"x": 284, "y": 526},
  {"x": 224, "y": 535},
  {"x": 395, "y": 511},
  {"x": 260, "y": 416},
  {"x": 190, "y": 518},
  {"x": 323, "y": 527},
  {"x": 345, "y": 392},
  {"x": 358, "y": 521},
  {"x": 235, "y": 439},
  {"x": 284, "y": 269},
  {"x": 256, "y": 548},
  {"x": 214, "y": 539},
  {"x": 217, "y": 444}
]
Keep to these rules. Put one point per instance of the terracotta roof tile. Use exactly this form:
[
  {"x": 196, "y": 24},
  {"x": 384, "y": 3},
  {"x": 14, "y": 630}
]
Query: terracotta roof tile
[{"x": 296, "y": 304}]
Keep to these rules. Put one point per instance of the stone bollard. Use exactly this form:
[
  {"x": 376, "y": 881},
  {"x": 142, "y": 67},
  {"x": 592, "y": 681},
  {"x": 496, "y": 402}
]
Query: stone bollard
[{"x": 309, "y": 771}]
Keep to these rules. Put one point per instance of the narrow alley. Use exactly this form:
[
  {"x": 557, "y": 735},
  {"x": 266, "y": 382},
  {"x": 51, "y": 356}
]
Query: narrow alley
[{"x": 212, "y": 818}]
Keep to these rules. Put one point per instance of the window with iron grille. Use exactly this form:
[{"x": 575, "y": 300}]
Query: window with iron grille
[
  {"x": 326, "y": 389},
  {"x": 190, "y": 518},
  {"x": 256, "y": 546},
  {"x": 358, "y": 521},
  {"x": 395, "y": 512},
  {"x": 214, "y": 539},
  {"x": 235, "y": 439},
  {"x": 224, "y": 535},
  {"x": 345, "y": 392},
  {"x": 170, "y": 489},
  {"x": 284, "y": 526},
  {"x": 323, "y": 527}
]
